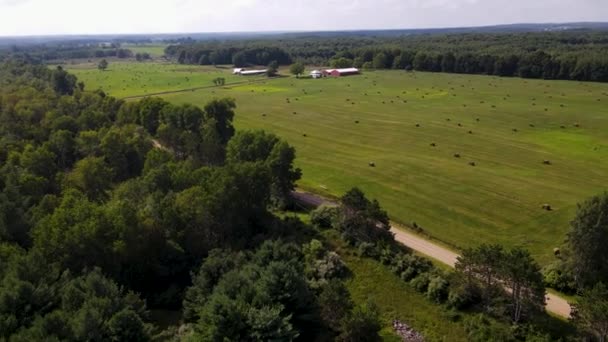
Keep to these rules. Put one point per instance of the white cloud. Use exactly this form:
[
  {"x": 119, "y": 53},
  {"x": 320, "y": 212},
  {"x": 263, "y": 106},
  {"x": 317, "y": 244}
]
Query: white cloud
[{"x": 24, "y": 17}]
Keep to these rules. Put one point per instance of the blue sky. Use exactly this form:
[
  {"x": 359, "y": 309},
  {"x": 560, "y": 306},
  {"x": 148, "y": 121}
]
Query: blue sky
[{"x": 38, "y": 17}]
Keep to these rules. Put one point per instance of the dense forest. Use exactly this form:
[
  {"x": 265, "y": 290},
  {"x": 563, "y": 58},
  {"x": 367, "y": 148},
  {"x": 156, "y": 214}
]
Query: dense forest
[
  {"x": 108, "y": 209},
  {"x": 51, "y": 52},
  {"x": 570, "y": 55}
]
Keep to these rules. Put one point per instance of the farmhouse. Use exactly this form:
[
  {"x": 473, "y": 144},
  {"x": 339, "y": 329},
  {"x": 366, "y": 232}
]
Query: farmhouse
[
  {"x": 316, "y": 74},
  {"x": 341, "y": 72},
  {"x": 253, "y": 72}
]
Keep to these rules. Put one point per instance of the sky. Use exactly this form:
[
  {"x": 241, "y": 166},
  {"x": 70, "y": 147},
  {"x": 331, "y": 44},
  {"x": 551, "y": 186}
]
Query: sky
[{"x": 49, "y": 17}]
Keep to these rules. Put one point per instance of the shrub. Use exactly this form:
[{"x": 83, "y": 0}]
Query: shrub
[
  {"x": 556, "y": 277},
  {"x": 323, "y": 217},
  {"x": 321, "y": 265},
  {"x": 367, "y": 249},
  {"x": 438, "y": 289},
  {"x": 461, "y": 297},
  {"x": 421, "y": 282},
  {"x": 408, "y": 266},
  {"x": 385, "y": 255}
]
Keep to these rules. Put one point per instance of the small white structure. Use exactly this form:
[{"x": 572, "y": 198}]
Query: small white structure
[
  {"x": 316, "y": 74},
  {"x": 237, "y": 71},
  {"x": 253, "y": 72}
]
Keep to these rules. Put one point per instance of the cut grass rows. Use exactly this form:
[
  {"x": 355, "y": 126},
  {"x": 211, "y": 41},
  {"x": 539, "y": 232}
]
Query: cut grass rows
[{"x": 497, "y": 201}]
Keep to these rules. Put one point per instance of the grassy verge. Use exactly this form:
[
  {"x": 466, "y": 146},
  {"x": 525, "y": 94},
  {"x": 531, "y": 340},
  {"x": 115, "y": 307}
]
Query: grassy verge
[{"x": 370, "y": 280}]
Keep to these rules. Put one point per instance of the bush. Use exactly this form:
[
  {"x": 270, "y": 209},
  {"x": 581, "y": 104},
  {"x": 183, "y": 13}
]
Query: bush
[
  {"x": 323, "y": 217},
  {"x": 385, "y": 255},
  {"x": 461, "y": 297},
  {"x": 363, "y": 324},
  {"x": 408, "y": 266},
  {"x": 367, "y": 249},
  {"x": 421, "y": 282},
  {"x": 321, "y": 265},
  {"x": 557, "y": 278},
  {"x": 438, "y": 289}
]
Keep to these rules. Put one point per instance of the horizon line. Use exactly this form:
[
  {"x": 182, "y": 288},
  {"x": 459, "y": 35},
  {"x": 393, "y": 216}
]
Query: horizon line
[{"x": 298, "y": 31}]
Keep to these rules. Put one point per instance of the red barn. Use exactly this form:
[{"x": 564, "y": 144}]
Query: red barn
[{"x": 341, "y": 72}]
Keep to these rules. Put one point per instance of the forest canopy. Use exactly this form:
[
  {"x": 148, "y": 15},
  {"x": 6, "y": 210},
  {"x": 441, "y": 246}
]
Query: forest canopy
[{"x": 577, "y": 55}]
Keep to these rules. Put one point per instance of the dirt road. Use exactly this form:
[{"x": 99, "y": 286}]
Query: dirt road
[{"x": 555, "y": 304}]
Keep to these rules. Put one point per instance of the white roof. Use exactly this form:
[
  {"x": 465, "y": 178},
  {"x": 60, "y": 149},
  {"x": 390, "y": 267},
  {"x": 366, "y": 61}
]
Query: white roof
[
  {"x": 344, "y": 70},
  {"x": 315, "y": 72},
  {"x": 238, "y": 69},
  {"x": 250, "y": 72}
]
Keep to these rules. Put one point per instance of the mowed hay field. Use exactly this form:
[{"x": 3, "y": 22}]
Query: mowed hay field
[
  {"x": 123, "y": 79},
  {"x": 155, "y": 50},
  {"x": 507, "y": 126}
]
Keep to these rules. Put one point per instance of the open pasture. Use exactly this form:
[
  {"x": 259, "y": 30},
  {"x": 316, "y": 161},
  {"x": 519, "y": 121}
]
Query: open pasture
[
  {"x": 469, "y": 159},
  {"x": 155, "y": 50},
  {"x": 123, "y": 79}
]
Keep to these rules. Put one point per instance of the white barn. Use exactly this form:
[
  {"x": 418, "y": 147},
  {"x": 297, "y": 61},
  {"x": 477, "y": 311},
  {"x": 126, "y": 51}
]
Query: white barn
[
  {"x": 316, "y": 74},
  {"x": 253, "y": 72}
]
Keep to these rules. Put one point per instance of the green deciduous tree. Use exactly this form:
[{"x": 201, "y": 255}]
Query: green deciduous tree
[
  {"x": 297, "y": 69},
  {"x": 380, "y": 61},
  {"x": 587, "y": 241},
  {"x": 92, "y": 176},
  {"x": 272, "y": 69},
  {"x": 222, "y": 111},
  {"x": 590, "y": 312},
  {"x": 102, "y": 65}
]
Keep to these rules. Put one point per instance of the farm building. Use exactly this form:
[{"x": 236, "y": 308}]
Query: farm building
[
  {"x": 253, "y": 72},
  {"x": 316, "y": 74},
  {"x": 341, "y": 72}
]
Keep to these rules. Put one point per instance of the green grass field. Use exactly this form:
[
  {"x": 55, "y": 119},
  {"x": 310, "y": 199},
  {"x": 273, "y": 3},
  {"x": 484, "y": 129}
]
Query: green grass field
[
  {"x": 123, "y": 79},
  {"x": 155, "y": 50},
  {"x": 506, "y": 126}
]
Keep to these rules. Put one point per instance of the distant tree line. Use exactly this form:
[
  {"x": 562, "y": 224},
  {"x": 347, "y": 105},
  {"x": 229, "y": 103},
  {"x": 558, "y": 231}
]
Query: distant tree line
[
  {"x": 213, "y": 54},
  {"x": 41, "y": 53},
  {"x": 572, "y": 55}
]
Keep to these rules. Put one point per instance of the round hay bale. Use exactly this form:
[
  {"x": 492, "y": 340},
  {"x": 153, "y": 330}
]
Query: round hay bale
[
  {"x": 417, "y": 125},
  {"x": 372, "y": 164},
  {"x": 547, "y": 207},
  {"x": 456, "y": 155},
  {"x": 547, "y": 162},
  {"x": 304, "y": 135},
  {"x": 433, "y": 144},
  {"x": 577, "y": 125},
  {"x": 472, "y": 163},
  {"x": 556, "y": 251},
  {"x": 562, "y": 126},
  {"x": 356, "y": 121},
  {"x": 470, "y": 132}
]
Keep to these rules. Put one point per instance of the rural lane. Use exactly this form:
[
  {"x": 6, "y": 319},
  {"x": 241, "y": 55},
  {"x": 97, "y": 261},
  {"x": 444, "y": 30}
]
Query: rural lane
[{"x": 554, "y": 303}]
